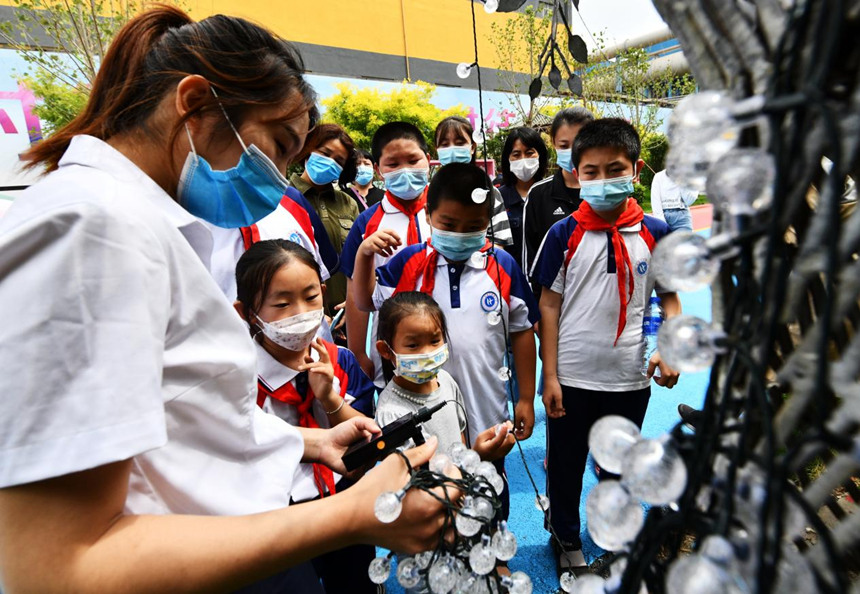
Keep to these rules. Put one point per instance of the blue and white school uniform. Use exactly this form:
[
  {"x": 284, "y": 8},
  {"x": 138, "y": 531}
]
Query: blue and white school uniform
[
  {"x": 294, "y": 219},
  {"x": 285, "y": 393},
  {"x": 468, "y": 294},
  {"x": 383, "y": 215}
]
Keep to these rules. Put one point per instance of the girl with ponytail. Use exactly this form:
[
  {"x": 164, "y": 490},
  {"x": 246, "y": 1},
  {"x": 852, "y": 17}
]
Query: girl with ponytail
[{"x": 133, "y": 457}]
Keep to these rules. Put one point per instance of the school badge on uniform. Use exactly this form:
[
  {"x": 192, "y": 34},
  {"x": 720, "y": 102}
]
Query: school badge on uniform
[
  {"x": 642, "y": 268},
  {"x": 489, "y": 301}
]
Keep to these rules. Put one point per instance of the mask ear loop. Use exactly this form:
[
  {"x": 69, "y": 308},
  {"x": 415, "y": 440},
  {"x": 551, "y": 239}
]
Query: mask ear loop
[
  {"x": 226, "y": 117},
  {"x": 190, "y": 140}
]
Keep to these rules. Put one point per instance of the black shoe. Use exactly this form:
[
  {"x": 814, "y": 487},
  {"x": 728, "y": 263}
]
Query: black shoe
[{"x": 692, "y": 418}]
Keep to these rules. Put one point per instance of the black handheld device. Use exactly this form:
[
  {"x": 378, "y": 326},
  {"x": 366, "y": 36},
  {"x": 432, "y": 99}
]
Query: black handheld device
[{"x": 393, "y": 435}]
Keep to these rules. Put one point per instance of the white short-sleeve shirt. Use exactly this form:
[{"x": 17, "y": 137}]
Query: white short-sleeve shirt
[{"x": 116, "y": 343}]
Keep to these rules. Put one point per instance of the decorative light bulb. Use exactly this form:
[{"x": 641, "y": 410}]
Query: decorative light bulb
[
  {"x": 439, "y": 463},
  {"x": 465, "y": 521},
  {"x": 688, "y": 343},
  {"x": 379, "y": 570},
  {"x": 481, "y": 557},
  {"x": 542, "y": 502},
  {"x": 491, "y": 6},
  {"x": 614, "y": 516},
  {"x": 388, "y": 506},
  {"x": 469, "y": 461},
  {"x": 682, "y": 261},
  {"x": 517, "y": 583},
  {"x": 483, "y": 508},
  {"x": 423, "y": 559},
  {"x": 488, "y": 471},
  {"x": 408, "y": 574},
  {"x": 456, "y": 452},
  {"x": 718, "y": 549},
  {"x": 442, "y": 576},
  {"x": 494, "y": 317},
  {"x": 654, "y": 472},
  {"x": 584, "y": 584},
  {"x": 504, "y": 543},
  {"x": 479, "y": 195},
  {"x": 609, "y": 440},
  {"x": 478, "y": 136},
  {"x": 504, "y": 373},
  {"x": 695, "y": 573},
  {"x": 702, "y": 128},
  {"x": 741, "y": 181},
  {"x": 464, "y": 69}
]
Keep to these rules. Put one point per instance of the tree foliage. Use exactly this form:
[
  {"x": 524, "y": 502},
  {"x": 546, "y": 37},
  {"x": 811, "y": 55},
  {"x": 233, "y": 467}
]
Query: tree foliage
[{"x": 361, "y": 111}]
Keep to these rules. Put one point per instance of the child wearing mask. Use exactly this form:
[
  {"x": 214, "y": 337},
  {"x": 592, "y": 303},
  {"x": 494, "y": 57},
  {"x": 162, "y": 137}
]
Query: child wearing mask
[
  {"x": 593, "y": 267},
  {"x": 482, "y": 292},
  {"x": 302, "y": 379}
]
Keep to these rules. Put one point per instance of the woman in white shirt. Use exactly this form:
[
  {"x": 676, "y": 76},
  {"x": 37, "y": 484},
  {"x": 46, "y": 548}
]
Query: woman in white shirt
[{"x": 128, "y": 421}]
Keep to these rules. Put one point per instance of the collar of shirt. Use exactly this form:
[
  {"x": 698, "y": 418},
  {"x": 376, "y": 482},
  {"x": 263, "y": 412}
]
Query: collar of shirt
[
  {"x": 89, "y": 151},
  {"x": 472, "y": 262},
  {"x": 274, "y": 373}
]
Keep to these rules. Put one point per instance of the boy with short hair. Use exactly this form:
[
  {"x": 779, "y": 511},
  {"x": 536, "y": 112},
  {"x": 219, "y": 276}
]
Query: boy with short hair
[
  {"x": 593, "y": 267},
  {"x": 400, "y": 157},
  {"x": 481, "y": 290}
]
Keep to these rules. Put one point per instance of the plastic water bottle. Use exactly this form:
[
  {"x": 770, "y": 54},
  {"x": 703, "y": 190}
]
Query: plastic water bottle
[{"x": 651, "y": 322}]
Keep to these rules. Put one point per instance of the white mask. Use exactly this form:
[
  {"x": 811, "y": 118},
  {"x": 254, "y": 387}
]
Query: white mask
[
  {"x": 294, "y": 333},
  {"x": 525, "y": 169}
]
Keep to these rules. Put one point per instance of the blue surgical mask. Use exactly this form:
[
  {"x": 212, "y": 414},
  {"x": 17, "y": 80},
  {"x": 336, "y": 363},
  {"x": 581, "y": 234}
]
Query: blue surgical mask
[
  {"x": 322, "y": 170},
  {"x": 235, "y": 197},
  {"x": 364, "y": 175},
  {"x": 563, "y": 159},
  {"x": 407, "y": 183},
  {"x": 457, "y": 247},
  {"x": 606, "y": 194},
  {"x": 454, "y": 154}
]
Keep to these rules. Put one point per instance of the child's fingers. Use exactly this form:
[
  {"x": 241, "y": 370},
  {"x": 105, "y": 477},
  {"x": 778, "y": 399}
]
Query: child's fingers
[{"x": 319, "y": 347}]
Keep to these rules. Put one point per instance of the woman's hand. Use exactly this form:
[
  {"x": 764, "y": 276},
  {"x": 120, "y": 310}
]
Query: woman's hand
[
  {"x": 492, "y": 445},
  {"x": 327, "y": 446},
  {"x": 418, "y": 527},
  {"x": 383, "y": 242}
]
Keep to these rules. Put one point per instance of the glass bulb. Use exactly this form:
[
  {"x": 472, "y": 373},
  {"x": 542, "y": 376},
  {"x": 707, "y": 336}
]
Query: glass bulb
[
  {"x": 464, "y": 69},
  {"x": 504, "y": 543},
  {"x": 682, "y": 261},
  {"x": 688, "y": 343},
  {"x": 488, "y": 471},
  {"x": 741, "y": 182},
  {"x": 518, "y": 583},
  {"x": 379, "y": 570},
  {"x": 469, "y": 461},
  {"x": 542, "y": 503},
  {"x": 609, "y": 440},
  {"x": 481, "y": 557},
  {"x": 695, "y": 573},
  {"x": 456, "y": 452},
  {"x": 439, "y": 463},
  {"x": 491, "y": 6},
  {"x": 494, "y": 318},
  {"x": 423, "y": 559},
  {"x": 478, "y": 136},
  {"x": 718, "y": 549},
  {"x": 504, "y": 373},
  {"x": 654, "y": 472},
  {"x": 584, "y": 584},
  {"x": 466, "y": 521},
  {"x": 701, "y": 129},
  {"x": 614, "y": 516},
  {"x": 483, "y": 508},
  {"x": 479, "y": 195},
  {"x": 408, "y": 574},
  {"x": 442, "y": 576},
  {"x": 388, "y": 505}
]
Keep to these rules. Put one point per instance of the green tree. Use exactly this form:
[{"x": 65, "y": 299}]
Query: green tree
[
  {"x": 63, "y": 43},
  {"x": 361, "y": 111}
]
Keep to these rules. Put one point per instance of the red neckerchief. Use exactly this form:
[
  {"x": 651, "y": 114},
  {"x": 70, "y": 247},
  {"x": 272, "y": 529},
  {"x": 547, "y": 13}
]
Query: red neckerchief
[
  {"x": 427, "y": 269},
  {"x": 632, "y": 215},
  {"x": 410, "y": 208},
  {"x": 323, "y": 476}
]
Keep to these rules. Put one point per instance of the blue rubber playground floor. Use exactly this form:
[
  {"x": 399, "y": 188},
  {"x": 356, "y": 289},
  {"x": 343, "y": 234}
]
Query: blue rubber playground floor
[{"x": 533, "y": 554}]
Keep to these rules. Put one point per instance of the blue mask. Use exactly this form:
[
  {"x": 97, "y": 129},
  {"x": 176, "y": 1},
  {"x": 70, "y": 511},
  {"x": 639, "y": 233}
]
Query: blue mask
[
  {"x": 457, "y": 247},
  {"x": 322, "y": 170},
  {"x": 407, "y": 183},
  {"x": 364, "y": 175},
  {"x": 233, "y": 198},
  {"x": 454, "y": 154},
  {"x": 606, "y": 194},
  {"x": 563, "y": 159}
]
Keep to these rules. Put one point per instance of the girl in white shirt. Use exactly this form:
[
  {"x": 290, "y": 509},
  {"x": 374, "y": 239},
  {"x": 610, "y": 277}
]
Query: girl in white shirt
[{"x": 133, "y": 457}]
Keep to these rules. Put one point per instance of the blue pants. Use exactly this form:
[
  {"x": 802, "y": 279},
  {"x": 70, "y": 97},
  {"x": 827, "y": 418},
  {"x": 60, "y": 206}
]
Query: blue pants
[
  {"x": 678, "y": 218},
  {"x": 567, "y": 449}
]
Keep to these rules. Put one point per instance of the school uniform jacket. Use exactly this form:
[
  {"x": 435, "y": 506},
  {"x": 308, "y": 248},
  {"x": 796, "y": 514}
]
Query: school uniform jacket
[{"x": 468, "y": 294}]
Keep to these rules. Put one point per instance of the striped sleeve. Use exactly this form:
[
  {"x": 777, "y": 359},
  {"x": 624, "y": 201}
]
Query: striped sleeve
[
  {"x": 390, "y": 276},
  {"x": 358, "y": 385},
  {"x": 314, "y": 229},
  {"x": 549, "y": 267},
  {"x": 353, "y": 240},
  {"x": 502, "y": 233}
]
